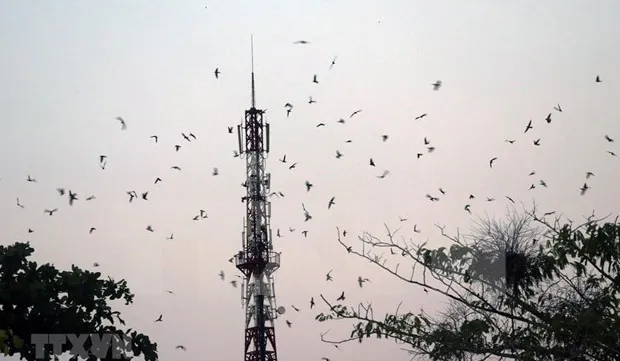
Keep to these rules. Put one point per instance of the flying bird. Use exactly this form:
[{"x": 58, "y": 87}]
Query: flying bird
[
  {"x": 217, "y": 73},
  {"x": 331, "y": 203},
  {"x": 333, "y": 63},
  {"x": 354, "y": 113},
  {"x": 301, "y": 42},
  {"x": 328, "y": 276},
  {"x": 123, "y": 124},
  {"x": 598, "y": 79},
  {"x": 558, "y": 108},
  {"x": 608, "y": 138},
  {"x": 436, "y": 85},
  {"x": 491, "y": 162},
  {"x": 385, "y": 173},
  {"x": 529, "y": 126},
  {"x": 308, "y": 186},
  {"x": 72, "y": 198}
]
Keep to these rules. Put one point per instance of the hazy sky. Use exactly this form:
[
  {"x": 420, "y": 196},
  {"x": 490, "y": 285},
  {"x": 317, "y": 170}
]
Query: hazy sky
[{"x": 68, "y": 68}]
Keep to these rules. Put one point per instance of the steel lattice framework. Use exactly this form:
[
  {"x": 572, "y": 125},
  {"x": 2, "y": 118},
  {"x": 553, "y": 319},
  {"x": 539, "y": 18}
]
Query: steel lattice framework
[{"x": 257, "y": 260}]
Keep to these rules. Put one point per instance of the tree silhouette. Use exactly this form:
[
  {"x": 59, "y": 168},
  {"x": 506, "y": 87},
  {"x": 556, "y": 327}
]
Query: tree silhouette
[
  {"x": 523, "y": 288},
  {"x": 39, "y": 299}
]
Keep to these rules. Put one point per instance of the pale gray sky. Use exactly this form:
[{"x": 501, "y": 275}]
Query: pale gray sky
[{"x": 68, "y": 68}]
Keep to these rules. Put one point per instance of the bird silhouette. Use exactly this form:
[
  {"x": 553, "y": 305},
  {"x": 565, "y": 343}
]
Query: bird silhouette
[
  {"x": 529, "y": 126},
  {"x": 217, "y": 73},
  {"x": 328, "y": 276},
  {"x": 384, "y": 174},
  {"x": 548, "y": 118},
  {"x": 491, "y": 162},
  {"x": 361, "y": 281},
  {"x": 436, "y": 85},
  {"x": 333, "y": 63},
  {"x": 331, "y": 203},
  {"x": 123, "y": 124}
]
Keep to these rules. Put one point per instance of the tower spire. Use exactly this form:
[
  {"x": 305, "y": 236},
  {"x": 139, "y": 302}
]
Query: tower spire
[{"x": 252, "y": 56}]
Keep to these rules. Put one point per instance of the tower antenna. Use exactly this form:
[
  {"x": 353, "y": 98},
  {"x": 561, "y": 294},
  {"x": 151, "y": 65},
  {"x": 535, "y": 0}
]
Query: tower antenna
[
  {"x": 257, "y": 260},
  {"x": 252, "y": 56}
]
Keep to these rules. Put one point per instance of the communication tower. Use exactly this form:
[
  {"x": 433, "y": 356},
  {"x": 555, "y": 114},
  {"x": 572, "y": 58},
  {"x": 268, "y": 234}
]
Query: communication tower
[{"x": 257, "y": 260}]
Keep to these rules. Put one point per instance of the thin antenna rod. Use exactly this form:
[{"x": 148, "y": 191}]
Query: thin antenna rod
[{"x": 252, "y": 55}]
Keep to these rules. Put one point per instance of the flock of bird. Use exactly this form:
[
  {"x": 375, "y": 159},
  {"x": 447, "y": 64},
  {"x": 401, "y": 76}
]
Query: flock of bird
[{"x": 184, "y": 138}]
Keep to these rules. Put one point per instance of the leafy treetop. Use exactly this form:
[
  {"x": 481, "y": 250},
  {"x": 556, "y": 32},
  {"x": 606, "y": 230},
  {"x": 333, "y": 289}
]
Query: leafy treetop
[{"x": 40, "y": 299}]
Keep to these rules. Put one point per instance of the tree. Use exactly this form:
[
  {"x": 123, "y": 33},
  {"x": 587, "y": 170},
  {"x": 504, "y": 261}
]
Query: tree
[
  {"x": 39, "y": 299},
  {"x": 523, "y": 288}
]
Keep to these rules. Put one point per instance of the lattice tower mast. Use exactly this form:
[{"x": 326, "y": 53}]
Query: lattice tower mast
[{"x": 257, "y": 260}]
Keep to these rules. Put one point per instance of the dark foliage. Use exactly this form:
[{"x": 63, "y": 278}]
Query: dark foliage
[{"x": 39, "y": 299}]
